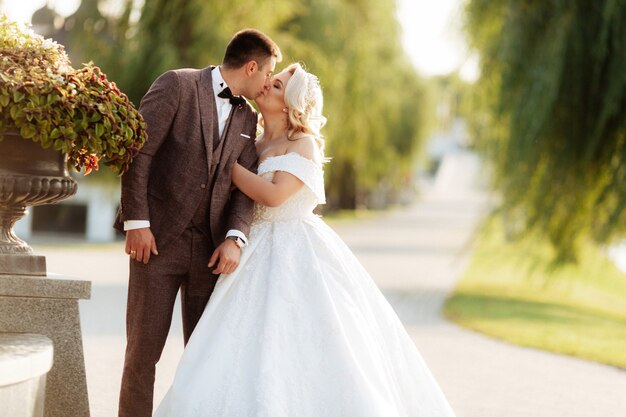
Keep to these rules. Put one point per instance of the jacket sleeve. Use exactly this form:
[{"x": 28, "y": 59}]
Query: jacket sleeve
[
  {"x": 158, "y": 108},
  {"x": 239, "y": 216}
]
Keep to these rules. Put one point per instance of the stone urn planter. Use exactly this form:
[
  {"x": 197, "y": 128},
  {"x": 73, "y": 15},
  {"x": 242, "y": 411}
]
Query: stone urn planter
[{"x": 29, "y": 176}]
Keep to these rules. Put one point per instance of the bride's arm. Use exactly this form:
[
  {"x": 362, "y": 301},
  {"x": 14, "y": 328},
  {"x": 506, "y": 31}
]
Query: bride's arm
[
  {"x": 268, "y": 193},
  {"x": 274, "y": 193}
]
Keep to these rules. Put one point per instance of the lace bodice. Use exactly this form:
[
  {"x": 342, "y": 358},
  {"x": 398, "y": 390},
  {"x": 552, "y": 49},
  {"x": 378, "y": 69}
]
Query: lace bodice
[{"x": 302, "y": 203}]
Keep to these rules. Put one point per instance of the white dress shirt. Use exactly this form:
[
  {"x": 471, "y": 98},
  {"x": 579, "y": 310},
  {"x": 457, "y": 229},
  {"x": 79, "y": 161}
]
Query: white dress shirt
[
  {"x": 222, "y": 104},
  {"x": 223, "y": 112}
]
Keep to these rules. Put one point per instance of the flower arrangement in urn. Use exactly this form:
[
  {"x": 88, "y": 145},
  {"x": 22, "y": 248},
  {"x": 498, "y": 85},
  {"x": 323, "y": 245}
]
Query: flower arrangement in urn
[
  {"x": 75, "y": 111},
  {"x": 51, "y": 116}
]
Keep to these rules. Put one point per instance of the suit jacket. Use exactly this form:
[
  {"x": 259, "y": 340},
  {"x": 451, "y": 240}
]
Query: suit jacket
[{"x": 170, "y": 175}]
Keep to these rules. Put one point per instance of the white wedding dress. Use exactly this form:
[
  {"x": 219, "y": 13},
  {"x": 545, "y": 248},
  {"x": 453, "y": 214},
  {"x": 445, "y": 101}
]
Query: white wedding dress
[{"x": 300, "y": 329}]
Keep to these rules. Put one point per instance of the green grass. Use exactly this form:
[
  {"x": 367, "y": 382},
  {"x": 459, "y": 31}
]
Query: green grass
[{"x": 512, "y": 291}]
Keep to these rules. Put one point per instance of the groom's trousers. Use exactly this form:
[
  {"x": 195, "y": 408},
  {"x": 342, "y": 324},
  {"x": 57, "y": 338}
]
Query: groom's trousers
[{"x": 152, "y": 290}]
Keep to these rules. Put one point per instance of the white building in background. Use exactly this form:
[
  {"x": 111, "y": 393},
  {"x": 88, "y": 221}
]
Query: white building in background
[{"x": 88, "y": 215}]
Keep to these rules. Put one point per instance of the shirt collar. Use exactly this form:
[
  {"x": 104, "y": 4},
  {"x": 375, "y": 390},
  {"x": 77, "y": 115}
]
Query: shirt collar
[{"x": 218, "y": 81}]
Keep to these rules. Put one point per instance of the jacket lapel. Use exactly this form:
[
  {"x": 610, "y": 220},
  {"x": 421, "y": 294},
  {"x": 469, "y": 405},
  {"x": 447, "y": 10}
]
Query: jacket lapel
[
  {"x": 208, "y": 112},
  {"x": 233, "y": 129}
]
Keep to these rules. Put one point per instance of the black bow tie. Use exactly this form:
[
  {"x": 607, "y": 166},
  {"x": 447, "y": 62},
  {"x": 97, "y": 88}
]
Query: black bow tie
[{"x": 234, "y": 100}]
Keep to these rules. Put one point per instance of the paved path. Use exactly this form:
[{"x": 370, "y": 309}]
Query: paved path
[{"x": 415, "y": 255}]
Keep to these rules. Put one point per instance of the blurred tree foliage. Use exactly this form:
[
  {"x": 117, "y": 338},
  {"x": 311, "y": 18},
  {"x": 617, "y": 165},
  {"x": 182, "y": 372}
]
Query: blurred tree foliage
[
  {"x": 374, "y": 100},
  {"x": 552, "y": 114}
]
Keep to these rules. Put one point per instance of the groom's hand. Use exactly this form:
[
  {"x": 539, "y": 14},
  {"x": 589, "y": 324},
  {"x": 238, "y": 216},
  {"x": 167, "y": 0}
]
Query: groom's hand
[
  {"x": 228, "y": 254},
  {"x": 140, "y": 244}
]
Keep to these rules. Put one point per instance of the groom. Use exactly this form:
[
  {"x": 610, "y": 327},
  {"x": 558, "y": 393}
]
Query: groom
[{"x": 183, "y": 225}]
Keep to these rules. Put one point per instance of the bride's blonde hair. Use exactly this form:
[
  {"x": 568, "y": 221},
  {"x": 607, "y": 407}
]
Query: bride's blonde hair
[{"x": 304, "y": 100}]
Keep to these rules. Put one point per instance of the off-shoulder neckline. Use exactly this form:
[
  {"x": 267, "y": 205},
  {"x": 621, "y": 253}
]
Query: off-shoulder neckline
[{"x": 287, "y": 154}]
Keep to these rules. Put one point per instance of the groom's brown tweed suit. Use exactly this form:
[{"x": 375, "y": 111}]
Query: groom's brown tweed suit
[{"x": 181, "y": 183}]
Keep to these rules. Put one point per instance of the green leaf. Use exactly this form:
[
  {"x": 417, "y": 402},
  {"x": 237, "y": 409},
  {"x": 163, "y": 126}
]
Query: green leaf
[
  {"x": 28, "y": 131},
  {"x": 15, "y": 112},
  {"x": 18, "y": 96},
  {"x": 51, "y": 99},
  {"x": 46, "y": 141},
  {"x": 4, "y": 101},
  {"x": 55, "y": 133},
  {"x": 58, "y": 145},
  {"x": 99, "y": 130}
]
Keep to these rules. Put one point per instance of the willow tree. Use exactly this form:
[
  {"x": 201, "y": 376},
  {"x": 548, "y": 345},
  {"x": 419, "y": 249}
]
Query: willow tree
[{"x": 554, "y": 122}]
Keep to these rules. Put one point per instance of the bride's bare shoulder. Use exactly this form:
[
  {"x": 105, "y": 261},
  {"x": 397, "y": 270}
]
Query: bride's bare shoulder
[{"x": 305, "y": 146}]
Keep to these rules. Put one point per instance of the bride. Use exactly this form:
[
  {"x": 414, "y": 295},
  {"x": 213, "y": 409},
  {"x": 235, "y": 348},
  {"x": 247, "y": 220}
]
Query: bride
[{"x": 299, "y": 329}]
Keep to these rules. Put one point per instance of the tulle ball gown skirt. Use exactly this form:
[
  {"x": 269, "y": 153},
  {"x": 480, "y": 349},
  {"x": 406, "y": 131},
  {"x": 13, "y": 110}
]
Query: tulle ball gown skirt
[{"x": 301, "y": 330}]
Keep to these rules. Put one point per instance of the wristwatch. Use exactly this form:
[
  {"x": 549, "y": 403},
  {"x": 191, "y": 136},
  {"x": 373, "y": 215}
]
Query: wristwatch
[{"x": 239, "y": 241}]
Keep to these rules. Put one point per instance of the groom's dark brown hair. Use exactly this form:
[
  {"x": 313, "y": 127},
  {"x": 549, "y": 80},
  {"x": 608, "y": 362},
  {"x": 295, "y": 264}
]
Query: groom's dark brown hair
[{"x": 250, "y": 45}]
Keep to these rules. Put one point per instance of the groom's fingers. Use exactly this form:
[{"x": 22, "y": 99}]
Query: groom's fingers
[
  {"x": 229, "y": 268},
  {"x": 228, "y": 255},
  {"x": 225, "y": 266},
  {"x": 143, "y": 252},
  {"x": 222, "y": 267},
  {"x": 140, "y": 243},
  {"x": 139, "y": 255},
  {"x": 146, "y": 254},
  {"x": 219, "y": 269},
  {"x": 216, "y": 254}
]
